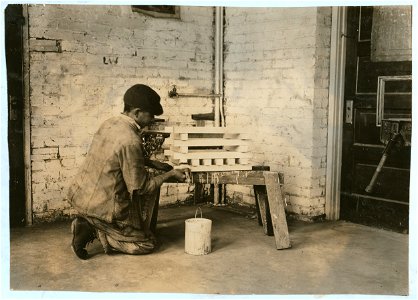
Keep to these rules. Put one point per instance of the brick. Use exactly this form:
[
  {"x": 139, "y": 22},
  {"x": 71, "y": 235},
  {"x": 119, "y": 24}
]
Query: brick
[
  {"x": 280, "y": 66},
  {"x": 76, "y": 90},
  {"x": 299, "y": 56}
]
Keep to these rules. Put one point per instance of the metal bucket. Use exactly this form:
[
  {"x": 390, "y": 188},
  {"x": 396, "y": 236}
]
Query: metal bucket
[{"x": 198, "y": 235}]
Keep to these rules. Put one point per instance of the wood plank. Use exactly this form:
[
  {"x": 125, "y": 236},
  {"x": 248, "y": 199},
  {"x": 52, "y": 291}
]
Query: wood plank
[
  {"x": 242, "y": 148},
  {"x": 203, "y": 130},
  {"x": 183, "y": 149},
  {"x": 210, "y": 142},
  {"x": 207, "y": 162},
  {"x": 213, "y": 154},
  {"x": 216, "y": 195},
  {"x": 214, "y": 168},
  {"x": 260, "y": 222},
  {"x": 261, "y": 199},
  {"x": 243, "y": 161},
  {"x": 229, "y": 177},
  {"x": 219, "y": 161},
  {"x": 168, "y": 152},
  {"x": 278, "y": 215},
  {"x": 230, "y": 161},
  {"x": 180, "y": 161},
  {"x": 242, "y": 136}
]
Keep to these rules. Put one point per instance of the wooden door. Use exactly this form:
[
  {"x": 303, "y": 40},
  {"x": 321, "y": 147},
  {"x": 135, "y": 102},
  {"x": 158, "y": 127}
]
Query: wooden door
[
  {"x": 15, "y": 91},
  {"x": 388, "y": 205}
]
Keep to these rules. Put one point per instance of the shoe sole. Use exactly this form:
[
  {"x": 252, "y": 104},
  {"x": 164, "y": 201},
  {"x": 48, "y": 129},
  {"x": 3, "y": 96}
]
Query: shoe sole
[{"x": 72, "y": 242}]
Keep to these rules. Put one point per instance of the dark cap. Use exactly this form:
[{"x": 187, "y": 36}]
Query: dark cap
[{"x": 143, "y": 97}]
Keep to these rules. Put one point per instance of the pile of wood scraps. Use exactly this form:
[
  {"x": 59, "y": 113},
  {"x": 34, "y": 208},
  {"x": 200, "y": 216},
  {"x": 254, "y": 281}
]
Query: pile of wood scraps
[{"x": 207, "y": 149}]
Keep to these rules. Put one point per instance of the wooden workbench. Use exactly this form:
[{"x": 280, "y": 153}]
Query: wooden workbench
[{"x": 268, "y": 196}]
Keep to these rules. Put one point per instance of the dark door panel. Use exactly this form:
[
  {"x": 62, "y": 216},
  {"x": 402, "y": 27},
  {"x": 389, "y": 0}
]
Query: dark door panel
[
  {"x": 369, "y": 71},
  {"x": 372, "y": 211},
  {"x": 392, "y": 184},
  {"x": 387, "y": 204},
  {"x": 401, "y": 158}
]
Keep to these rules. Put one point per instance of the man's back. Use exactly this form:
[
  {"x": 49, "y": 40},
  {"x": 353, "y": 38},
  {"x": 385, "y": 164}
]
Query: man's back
[{"x": 113, "y": 168}]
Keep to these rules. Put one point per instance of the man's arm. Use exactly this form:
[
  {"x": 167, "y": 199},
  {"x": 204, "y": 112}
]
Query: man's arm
[
  {"x": 135, "y": 175},
  {"x": 155, "y": 182},
  {"x": 158, "y": 165}
]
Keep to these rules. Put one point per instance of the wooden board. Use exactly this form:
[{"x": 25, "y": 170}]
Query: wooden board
[
  {"x": 209, "y": 149},
  {"x": 277, "y": 211},
  {"x": 229, "y": 177},
  {"x": 201, "y": 154},
  {"x": 203, "y": 130},
  {"x": 200, "y": 142},
  {"x": 214, "y": 168},
  {"x": 263, "y": 207}
]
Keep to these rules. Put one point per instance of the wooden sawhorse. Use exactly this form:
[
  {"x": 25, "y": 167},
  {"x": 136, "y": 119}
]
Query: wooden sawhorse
[{"x": 268, "y": 195}]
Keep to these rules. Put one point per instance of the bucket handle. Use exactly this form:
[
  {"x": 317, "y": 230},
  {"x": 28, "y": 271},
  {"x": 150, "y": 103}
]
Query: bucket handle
[{"x": 201, "y": 216}]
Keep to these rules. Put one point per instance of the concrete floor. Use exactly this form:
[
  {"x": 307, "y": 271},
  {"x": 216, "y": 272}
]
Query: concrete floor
[{"x": 325, "y": 258}]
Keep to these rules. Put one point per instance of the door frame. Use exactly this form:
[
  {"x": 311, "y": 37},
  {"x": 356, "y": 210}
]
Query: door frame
[
  {"x": 335, "y": 112},
  {"x": 27, "y": 119}
]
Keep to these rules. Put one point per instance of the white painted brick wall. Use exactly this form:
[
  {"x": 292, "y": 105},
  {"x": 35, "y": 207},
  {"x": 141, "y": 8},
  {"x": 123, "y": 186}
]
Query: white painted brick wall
[
  {"x": 276, "y": 81},
  {"x": 74, "y": 91}
]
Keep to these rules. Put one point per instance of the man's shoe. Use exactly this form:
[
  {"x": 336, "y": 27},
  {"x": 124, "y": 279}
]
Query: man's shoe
[{"x": 83, "y": 233}]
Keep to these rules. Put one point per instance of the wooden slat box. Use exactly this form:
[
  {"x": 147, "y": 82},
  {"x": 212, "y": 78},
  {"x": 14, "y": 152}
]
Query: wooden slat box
[{"x": 206, "y": 149}]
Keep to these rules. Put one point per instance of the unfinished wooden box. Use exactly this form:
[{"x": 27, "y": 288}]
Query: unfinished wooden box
[{"x": 206, "y": 149}]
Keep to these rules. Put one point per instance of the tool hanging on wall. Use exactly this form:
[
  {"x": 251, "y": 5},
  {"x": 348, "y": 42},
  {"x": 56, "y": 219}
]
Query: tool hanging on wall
[
  {"x": 395, "y": 126},
  {"x": 396, "y": 138}
]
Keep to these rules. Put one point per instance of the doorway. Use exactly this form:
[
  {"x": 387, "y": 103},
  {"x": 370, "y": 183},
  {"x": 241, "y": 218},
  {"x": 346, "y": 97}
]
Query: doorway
[
  {"x": 386, "y": 204},
  {"x": 14, "y": 39}
]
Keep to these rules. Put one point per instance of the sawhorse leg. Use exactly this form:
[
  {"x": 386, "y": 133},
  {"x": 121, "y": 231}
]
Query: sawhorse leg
[
  {"x": 277, "y": 211},
  {"x": 263, "y": 209},
  {"x": 270, "y": 209}
]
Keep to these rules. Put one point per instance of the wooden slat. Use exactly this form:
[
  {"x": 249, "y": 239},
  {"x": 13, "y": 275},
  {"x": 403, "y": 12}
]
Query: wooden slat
[
  {"x": 243, "y": 161},
  {"x": 198, "y": 142},
  {"x": 230, "y": 161},
  {"x": 263, "y": 208},
  {"x": 207, "y": 162},
  {"x": 181, "y": 161},
  {"x": 242, "y": 148},
  {"x": 213, "y": 154},
  {"x": 229, "y": 177},
  {"x": 242, "y": 136},
  {"x": 203, "y": 130},
  {"x": 219, "y": 161},
  {"x": 214, "y": 168},
  {"x": 278, "y": 215}
]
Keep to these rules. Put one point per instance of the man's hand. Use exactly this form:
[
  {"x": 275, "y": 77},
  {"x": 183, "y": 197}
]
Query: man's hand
[
  {"x": 160, "y": 165},
  {"x": 180, "y": 174}
]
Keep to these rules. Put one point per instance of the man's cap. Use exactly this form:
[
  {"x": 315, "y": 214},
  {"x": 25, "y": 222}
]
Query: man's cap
[{"x": 143, "y": 97}]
